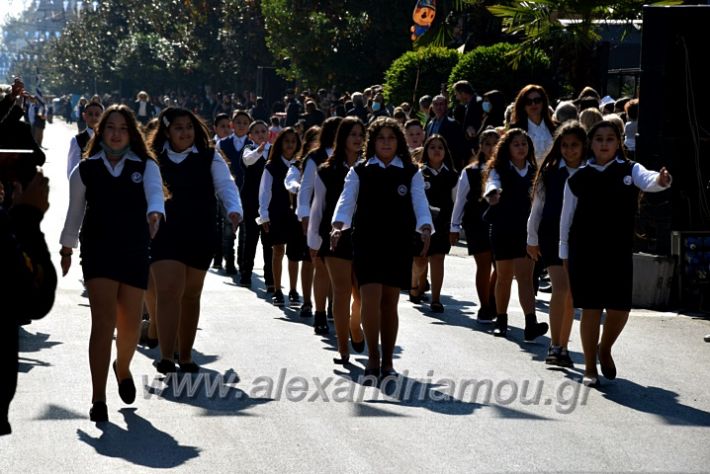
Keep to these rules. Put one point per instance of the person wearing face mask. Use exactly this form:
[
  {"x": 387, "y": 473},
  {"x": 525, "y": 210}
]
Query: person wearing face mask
[
  {"x": 378, "y": 108},
  {"x": 493, "y": 107}
]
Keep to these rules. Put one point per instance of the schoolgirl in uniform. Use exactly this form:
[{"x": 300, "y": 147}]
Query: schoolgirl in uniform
[
  {"x": 254, "y": 159},
  {"x": 509, "y": 178},
  {"x": 194, "y": 174},
  {"x": 383, "y": 200},
  {"x": 563, "y": 161},
  {"x": 328, "y": 185},
  {"x": 293, "y": 184},
  {"x": 469, "y": 208},
  {"x": 440, "y": 179},
  {"x": 277, "y": 216},
  {"x": 116, "y": 198},
  {"x": 309, "y": 165},
  {"x": 596, "y": 239},
  {"x": 91, "y": 114}
]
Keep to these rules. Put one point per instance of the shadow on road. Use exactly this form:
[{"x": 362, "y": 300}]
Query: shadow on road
[
  {"x": 33, "y": 343},
  {"x": 140, "y": 443}
]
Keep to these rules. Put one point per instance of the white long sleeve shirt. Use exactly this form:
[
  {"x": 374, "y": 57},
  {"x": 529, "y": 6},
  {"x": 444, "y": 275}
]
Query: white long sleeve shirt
[
  {"x": 345, "y": 209},
  {"x": 293, "y": 180},
  {"x": 493, "y": 182},
  {"x": 313, "y": 238},
  {"x": 643, "y": 179},
  {"x": 538, "y": 205},
  {"x": 224, "y": 186},
  {"x": 74, "y": 155},
  {"x": 152, "y": 187},
  {"x": 305, "y": 191},
  {"x": 267, "y": 181},
  {"x": 252, "y": 155}
]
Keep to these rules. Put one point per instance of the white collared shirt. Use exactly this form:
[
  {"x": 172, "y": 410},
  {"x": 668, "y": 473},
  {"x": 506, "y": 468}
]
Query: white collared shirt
[
  {"x": 305, "y": 188},
  {"x": 313, "y": 238},
  {"x": 541, "y": 138},
  {"x": 74, "y": 156},
  {"x": 222, "y": 180},
  {"x": 538, "y": 205},
  {"x": 152, "y": 187},
  {"x": 252, "y": 155},
  {"x": 645, "y": 180},
  {"x": 267, "y": 181},
  {"x": 345, "y": 209}
]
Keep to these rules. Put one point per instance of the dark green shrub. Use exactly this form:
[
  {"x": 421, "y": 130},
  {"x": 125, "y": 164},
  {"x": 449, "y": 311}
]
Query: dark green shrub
[
  {"x": 489, "y": 67},
  {"x": 419, "y": 72}
]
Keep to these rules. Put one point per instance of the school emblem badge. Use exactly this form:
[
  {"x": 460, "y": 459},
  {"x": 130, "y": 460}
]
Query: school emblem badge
[
  {"x": 628, "y": 180},
  {"x": 402, "y": 190},
  {"x": 137, "y": 177},
  {"x": 427, "y": 185}
]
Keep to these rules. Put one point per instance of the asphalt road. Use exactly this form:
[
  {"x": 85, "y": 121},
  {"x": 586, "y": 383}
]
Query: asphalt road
[{"x": 269, "y": 397}]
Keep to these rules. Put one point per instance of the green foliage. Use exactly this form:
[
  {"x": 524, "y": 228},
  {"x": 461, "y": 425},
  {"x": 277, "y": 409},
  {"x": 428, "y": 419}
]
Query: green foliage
[
  {"x": 345, "y": 43},
  {"x": 490, "y": 67},
  {"x": 419, "y": 72}
]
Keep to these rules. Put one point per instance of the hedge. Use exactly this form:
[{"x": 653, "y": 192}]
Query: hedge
[{"x": 419, "y": 72}]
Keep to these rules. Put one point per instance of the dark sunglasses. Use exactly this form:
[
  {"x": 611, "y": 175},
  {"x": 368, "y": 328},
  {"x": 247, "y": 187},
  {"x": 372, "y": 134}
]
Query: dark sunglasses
[{"x": 534, "y": 100}]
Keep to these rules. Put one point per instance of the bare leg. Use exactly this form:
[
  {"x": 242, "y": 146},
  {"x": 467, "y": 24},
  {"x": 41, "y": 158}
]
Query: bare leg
[
  {"x": 437, "y": 275},
  {"x": 560, "y": 317},
  {"x": 589, "y": 333},
  {"x": 504, "y": 281},
  {"x": 190, "y": 314},
  {"x": 389, "y": 324},
  {"x": 371, "y": 298},
  {"x": 340, "y": 275},
  {"x": 523, "y": 268},
  {"x": 169, "y": 277},
  {"x": 355, "y": 312},
  {"x": 419, "y": 270},
  {"x": 306, "y": 279},
  {"x": 485, "y": 284},
  {"x": 321, "y": 284},
  {"x": 278, "y": 252},
  {"x": 293, "y": 277},
  {"x": 613, "y": 325},
  {"x": 103, "y": 296},
  {"x": 151, "y": 302},
  {"x": 128, "y": 320}
]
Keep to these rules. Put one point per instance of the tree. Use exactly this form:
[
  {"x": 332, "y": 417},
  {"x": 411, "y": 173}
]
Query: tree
[
  {"x": 343, "y": 43},
  {"x": 537, "y": 25},
  {"x": 419, "y": 72}
]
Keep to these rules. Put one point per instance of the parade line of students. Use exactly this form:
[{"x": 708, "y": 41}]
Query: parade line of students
[{"x": 364, "y": 214}]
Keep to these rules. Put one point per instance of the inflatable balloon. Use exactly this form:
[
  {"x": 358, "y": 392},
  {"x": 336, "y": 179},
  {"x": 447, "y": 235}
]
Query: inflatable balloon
[{"x": 423, "y": 17}]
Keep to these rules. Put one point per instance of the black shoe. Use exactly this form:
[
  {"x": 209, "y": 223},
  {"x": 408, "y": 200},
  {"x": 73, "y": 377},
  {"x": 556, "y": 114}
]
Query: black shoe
[
  {"x": 278, "y": 298},
  {"x": 126, "y": 387},
  {"x": 436, "y": 307},
  {"x": 5, "y": 428},
  {"x": 165, "y": 366},
  {"x": 189, "y": 367},
  {"x": 553, "y": 355},
  {"x": 485, "y": 316},
  {"x": 370, "y": 377},
  {"x": 320, "y": 323},
  {"x": 294, "y": 299},
  {"x": 416, "y": 299},
  {"x": 533, "y": 329},
  {"x": 230, "y": 269},
  {"x": 245, "y": 280},
  {"x": 98, "y": 412},
  {"x": 306, "y": 310},
  {"x": 217, "y": 265},
  {"x": 357, "y": 346},
  {"x": 270, "y": 288},
  {"x": 608, "y": 370},
  {"x": 388, "y": 373},
  {"x": 501, "y": 328},
  {"x": 563, "y": 359}
]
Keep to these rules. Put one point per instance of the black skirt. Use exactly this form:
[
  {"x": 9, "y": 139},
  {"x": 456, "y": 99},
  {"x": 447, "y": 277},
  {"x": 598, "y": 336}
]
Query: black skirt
[
  {"x": 289, "y": 232},
  {"x": 601, "y": 279},
  {"x": 130, "y": 268},
  {"x": 508, "y": 244},
  {"x": 193, "y": 248},
  {"x": 383, "y": 263},
  {"x": 549, "y": 241},
  {"x": 438, "y": 245},
  {"x": 343, "y": 250},
  {"x": 478, "y": 238}
]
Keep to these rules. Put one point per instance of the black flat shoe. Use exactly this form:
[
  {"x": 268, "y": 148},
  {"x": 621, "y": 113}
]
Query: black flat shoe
[
  {"x": 320, "y": 324},
  {"x": 608, "y": 370},
  {"x": 358, "y": 347},
  {"x": 98, "y": 412},
  {"x": 126, "y": 387},
  {"x": 165, "y": 366},
  {"x": 370, "y": 376},
  {"x": 189, "y": 367},
  {"x": 386, "y": 373},
  {"x": 436, "y": 307},
  {"x": 416, "y": 299}
]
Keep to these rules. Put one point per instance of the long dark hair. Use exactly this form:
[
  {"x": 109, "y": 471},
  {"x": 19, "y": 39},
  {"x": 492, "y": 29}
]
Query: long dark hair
[
  {"x": 167, "y": 117},
  {"x": 501, "y": 156},
  {"x": 278, "y": 146},
  {"x": 137, "y": 142},
  {"x": 374, "y": 130},
  {"x": 519, "y": 115},
  {"x": 340, "y": 151},
  {"x": 479, "y": 159},
  {"x": 448, "y": 160},
  {"x": 554, "y": 156}
]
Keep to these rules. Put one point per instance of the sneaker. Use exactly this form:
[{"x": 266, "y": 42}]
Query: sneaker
[
  {"x": 278, "y": 298},
  {"x": 553, "y": 355},
  {"x": 485, "y": 316},
  {"x": 563, "y": 359},
  {"x": 294, "y": 299},
  {"x": 306, "y": 310}
]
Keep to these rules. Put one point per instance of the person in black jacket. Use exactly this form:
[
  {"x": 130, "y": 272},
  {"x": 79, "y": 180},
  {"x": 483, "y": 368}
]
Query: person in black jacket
[
  {"x": 28, "y": 279},
  {"x": 450, "y": 129}
]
